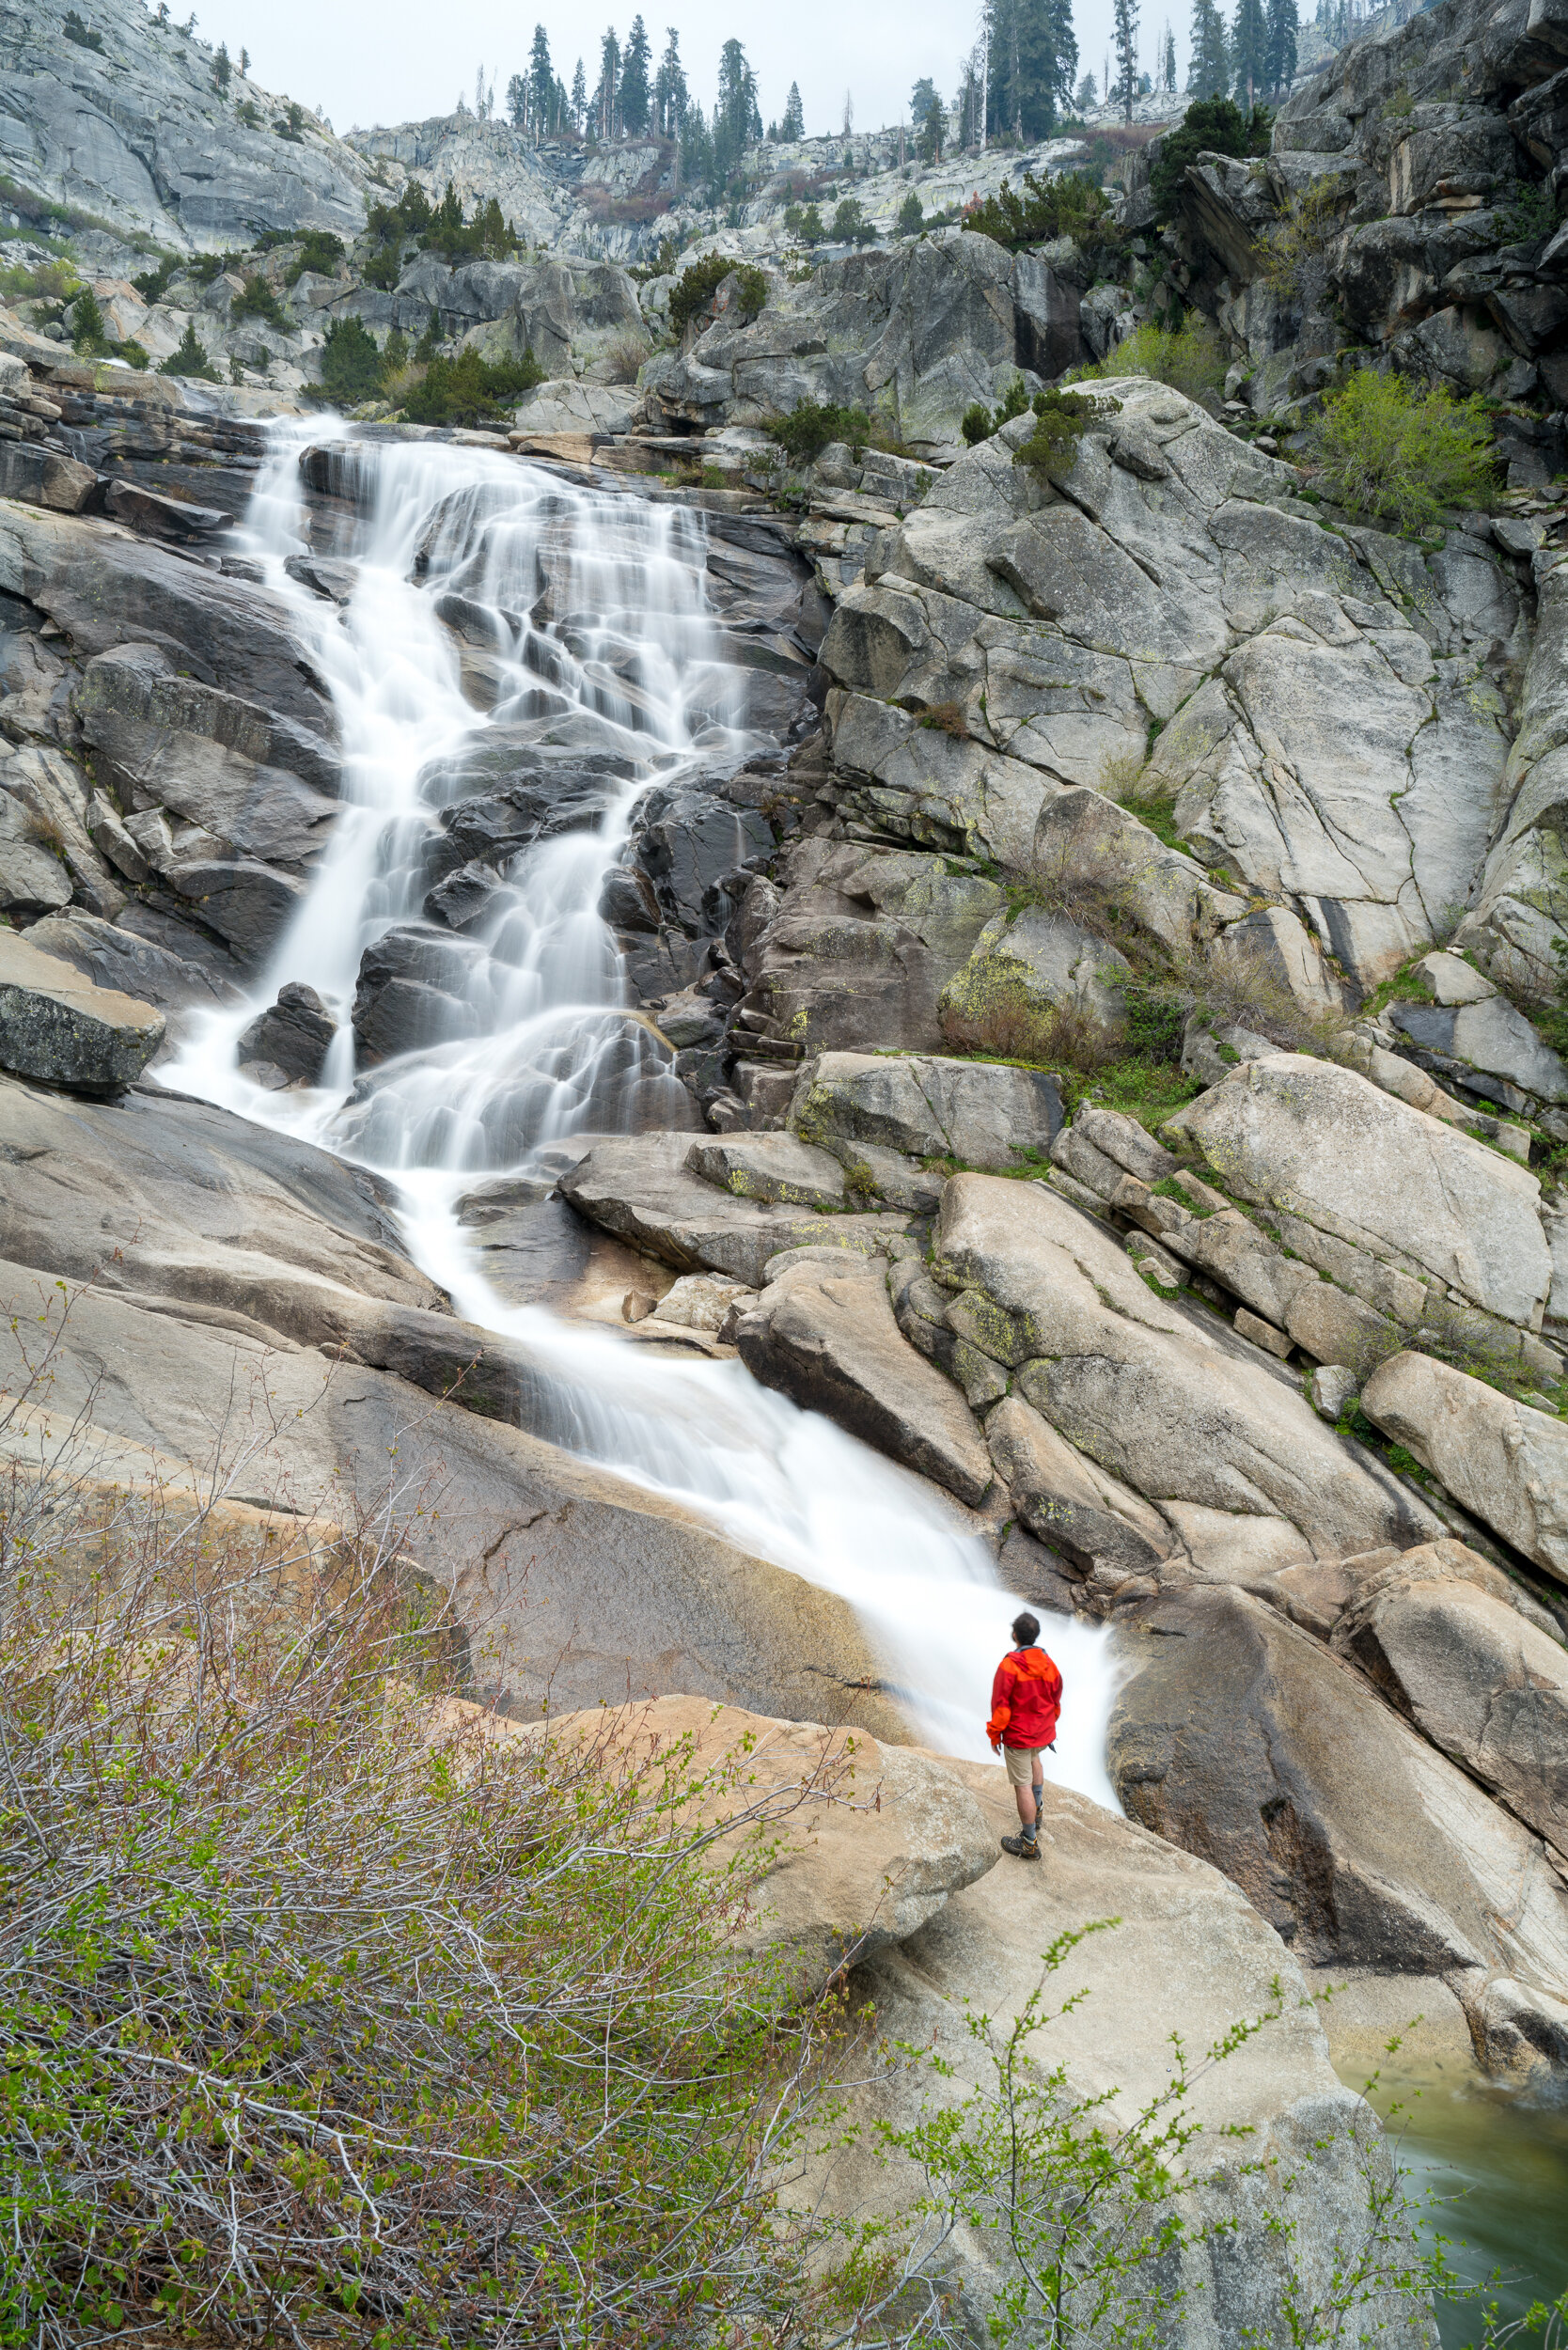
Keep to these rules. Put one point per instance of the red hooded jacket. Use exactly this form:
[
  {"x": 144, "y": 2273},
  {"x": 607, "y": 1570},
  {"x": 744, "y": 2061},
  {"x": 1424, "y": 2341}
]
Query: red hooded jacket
[{"x": 1025, "y": 1700}]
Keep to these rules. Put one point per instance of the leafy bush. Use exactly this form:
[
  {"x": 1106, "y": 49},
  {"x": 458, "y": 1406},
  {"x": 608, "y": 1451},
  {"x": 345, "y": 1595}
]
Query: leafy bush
[
  {"x": 1011, "y": 1025},
  {"x": 850, "y": 224},
  {"x": 1066, "y": 207},
  {"x": 980, "y": 422},
  {"x": 88, "y": 333},
  {"x": 153, "y": 283},
  {"x": 911, "y": 217},
  {"x": 469, "y": 390},
  {"x": 1402, "y": 455},
  {"x": 485, "y": 237},
  {"x": 352, "y": 370},
  {"x": 695, "y": 288},
  {"x": 1060, "y": 420},
  {"x": 751, "y": 291},
  {"x": 811, "y": 428},
  {"x": 256, "y": 300},
  {"x": 1305, "y": 234},
  {"x": 1191, "y": 357},
  {"x": 133, "y": 355},
  {"x": 805, "y": 222},
  {"x": 320, "y": 252},
  {"x": 1212, "y": 126},
  {"x": 44, "y": 281},
  {"x": 190, "y": 359},
  {"x": 76, "y": 30},
  {"x": 333, "y": 2010}
]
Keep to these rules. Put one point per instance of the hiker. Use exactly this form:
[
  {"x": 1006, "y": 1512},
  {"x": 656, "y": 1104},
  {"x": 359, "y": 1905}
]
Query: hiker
[{"x": 1025, "y": 1700}]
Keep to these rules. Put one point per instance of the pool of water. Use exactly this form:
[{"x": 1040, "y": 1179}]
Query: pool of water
[{"x": 1500, "y": 2162}]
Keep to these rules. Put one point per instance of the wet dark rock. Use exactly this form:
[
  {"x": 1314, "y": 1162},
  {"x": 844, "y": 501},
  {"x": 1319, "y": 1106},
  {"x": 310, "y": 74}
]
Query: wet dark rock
[
  {"x": 157, "y": 517},
  {"x": 293, "y": 1034},
  {"x": 412, "y": 993},
  {"x": 463, "y": 899},
  {"x": 246, "y": 903}
]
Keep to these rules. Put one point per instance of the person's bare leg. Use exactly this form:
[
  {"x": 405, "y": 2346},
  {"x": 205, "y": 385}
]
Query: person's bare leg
[{"x": 1028, "y": 1810}]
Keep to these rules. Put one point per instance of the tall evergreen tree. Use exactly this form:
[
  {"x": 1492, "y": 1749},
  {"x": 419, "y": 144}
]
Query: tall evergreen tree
[
  {"x": 1283, "y": 24},
  {"x": 737, "y": 120},
  {"x": 1249, "y": 50},
  {"x": 542, "y": 84},
  {"x": 578, "y": 102},
  {"x": 517, "y": 103},
  {"x": 1167, "y": 59},
  {"x": 635, "y": 93},
  {"x": 696, "y": 149},
  {"x": 670, "y": 94},
  {"x": 1034, "y": 57},
  {"x": 1209, "y": 71},
  {"x": 1126, "y": 53},
  {"x": 608, "y": 87},
  {"x": 793, "y": 123}
]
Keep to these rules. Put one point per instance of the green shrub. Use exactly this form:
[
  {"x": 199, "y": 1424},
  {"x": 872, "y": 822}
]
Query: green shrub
[
  {"x": 133, "y": 355},
  {"x": 320, "y": 252},
  {"x": 1066, "y": 207},
  {"x": 76, "y": 30},
  {"x": 352, "y": 370},
  {"x": 46, "y": 281},
  {"x": 153, "y": 283},
  {"x": 850, "y": 224},
  {"x": 469, "y": 390},
  {"x": 395, "y": 352},
  {"x": 696, "y": 287},
  {"x": 911, "y": 217},
  {"x": 88, "y": 333},
  {"x": 811, "y": 428},
  {"x": 334, "y": 2011},
  {"x": 1060, "y": 420},
  {"x": 1213, "y": 126},
  {"x": 190, "y": 359},
  {"x": 484, "y": 237},
  {"x": 1191, "y": 357},
  {"x": 256, "y": 300},
  {"x": 980, "y": 422},
  {"x": 1402, "y": 455}
]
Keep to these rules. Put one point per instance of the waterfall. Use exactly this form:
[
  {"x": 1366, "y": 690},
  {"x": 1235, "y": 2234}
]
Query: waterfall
[{"x": 581, "y": 619}]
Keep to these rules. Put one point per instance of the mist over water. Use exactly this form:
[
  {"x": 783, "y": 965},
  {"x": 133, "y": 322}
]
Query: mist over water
[{"x": 584, "y": 618}]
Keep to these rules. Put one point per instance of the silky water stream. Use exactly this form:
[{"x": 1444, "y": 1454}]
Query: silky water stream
[{"x": 613, "y": 683}]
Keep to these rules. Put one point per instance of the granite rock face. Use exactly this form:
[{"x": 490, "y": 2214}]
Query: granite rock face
[{"x": 133, "y": 127}]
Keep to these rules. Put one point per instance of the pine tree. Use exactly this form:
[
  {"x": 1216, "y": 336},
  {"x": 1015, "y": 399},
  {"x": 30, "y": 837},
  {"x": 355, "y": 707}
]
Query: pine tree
[
  {"x": 1088, "y": 94},
  {"x": 579, "y": 98},
  {"x": 696, "y": 149},
  {"x": 1209, "y": 73},
  {"x": 517, "y": 103},
  {"x": 794, "y": 124},
  {"x": 670, "y": 94},
  {"x": 1168, "y": 66},
  {"x": 737, "y": 120},
  {"x": 608, "y": 88},
  {"x": 1249, "y": 50},
  {"x": 1034, "y": 57},
  {"x": 542, "y": 84},
  {"x": 1126, "y": 53},
  {"x": 636, "y": 99},
  {"x": 934, "y": 131},
  {"x": 1283, "y": 24},
  {"x": 222, "y": 69}
]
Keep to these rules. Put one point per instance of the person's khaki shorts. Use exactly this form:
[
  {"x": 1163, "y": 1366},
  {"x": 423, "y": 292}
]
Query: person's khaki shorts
[{"x": 1020, "y": 1763}]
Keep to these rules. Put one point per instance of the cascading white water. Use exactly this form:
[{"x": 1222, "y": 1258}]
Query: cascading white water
[{"x": 585, "y": 615}]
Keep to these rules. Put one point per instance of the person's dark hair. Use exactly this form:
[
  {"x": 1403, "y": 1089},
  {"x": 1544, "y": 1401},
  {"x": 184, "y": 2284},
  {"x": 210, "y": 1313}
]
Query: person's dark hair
[{"x": 1025, "y": 1629}]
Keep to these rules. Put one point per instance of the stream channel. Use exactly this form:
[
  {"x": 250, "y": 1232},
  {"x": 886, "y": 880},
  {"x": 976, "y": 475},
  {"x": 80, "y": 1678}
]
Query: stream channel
[{"x": 607, "y": 660}]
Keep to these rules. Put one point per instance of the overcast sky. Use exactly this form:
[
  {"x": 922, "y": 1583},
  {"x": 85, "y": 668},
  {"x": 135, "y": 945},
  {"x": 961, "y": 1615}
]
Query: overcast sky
[{"x": 367, "y": 61}]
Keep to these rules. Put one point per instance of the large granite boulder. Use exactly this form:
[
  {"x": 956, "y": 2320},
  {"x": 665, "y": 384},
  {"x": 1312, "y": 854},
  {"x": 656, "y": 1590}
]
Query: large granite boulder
[
  {"x": 1238, "y": 1736},
  {"x": 822, "y": 1332},
  {"x": 1145, "y": 1386},
  {"x": 986, "y": 1114},
  {"x": 1505, "y": 1461},
  {"x": 62, "y": 1030},
  {"x": 1313, "y": 1142}
]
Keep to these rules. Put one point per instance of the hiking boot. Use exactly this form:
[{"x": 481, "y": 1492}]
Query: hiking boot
[{"x": 1022, "y": 1847}]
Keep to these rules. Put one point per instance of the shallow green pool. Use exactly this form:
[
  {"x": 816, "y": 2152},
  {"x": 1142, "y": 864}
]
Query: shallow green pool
[{"x": 1504, "y": 2161}]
